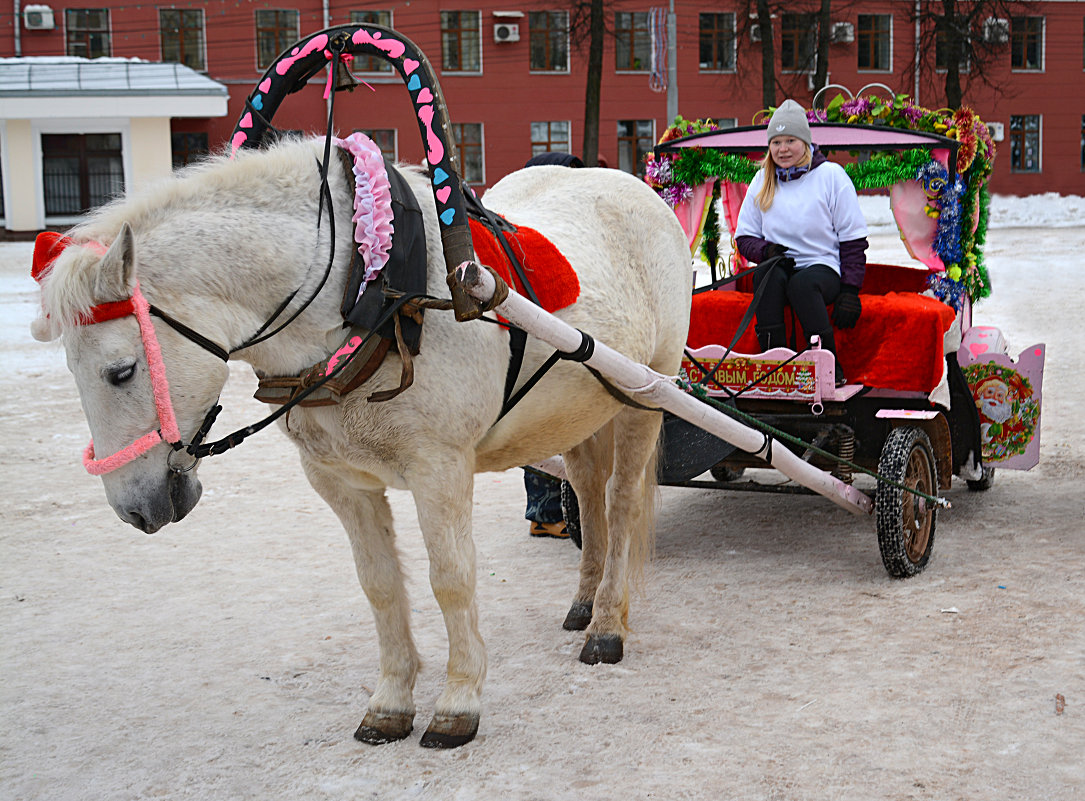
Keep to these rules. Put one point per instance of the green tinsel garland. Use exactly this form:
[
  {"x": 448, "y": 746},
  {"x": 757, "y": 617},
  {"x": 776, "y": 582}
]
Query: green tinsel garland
[
  {"x": 695, "y": 166},
  {"x": 710, "y": 235},
  {"x": 979, "y": 239},
  {"x": 886, "y": 169}
]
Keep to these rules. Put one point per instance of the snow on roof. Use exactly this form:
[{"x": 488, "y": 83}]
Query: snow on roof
[{"x": 52, "y": 76}]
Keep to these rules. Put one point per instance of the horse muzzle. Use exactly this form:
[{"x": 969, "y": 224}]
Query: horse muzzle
[{"x": 151, "y": 508}]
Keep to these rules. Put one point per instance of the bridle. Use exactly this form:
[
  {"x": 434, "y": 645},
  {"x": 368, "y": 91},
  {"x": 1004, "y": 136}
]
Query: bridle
[{"x": 47, "y": 248}]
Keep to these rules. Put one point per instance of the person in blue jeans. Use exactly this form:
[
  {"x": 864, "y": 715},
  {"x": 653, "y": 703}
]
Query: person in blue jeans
[
  {"x": 544, "y": 491},
  {"x": 544, "y": 505}
]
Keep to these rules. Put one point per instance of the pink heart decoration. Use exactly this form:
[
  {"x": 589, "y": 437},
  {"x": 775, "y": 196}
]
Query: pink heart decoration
[
  {"x": 977, "y": 348},
  {"x": 425, "y": 96},
  {"x": 443, "y": 193},
  {"x": 246, "y": 121},
  {"x": 265, "y": 85},
  {"x": 409, "y": 65},
  {"x": 237, "y": 141}
]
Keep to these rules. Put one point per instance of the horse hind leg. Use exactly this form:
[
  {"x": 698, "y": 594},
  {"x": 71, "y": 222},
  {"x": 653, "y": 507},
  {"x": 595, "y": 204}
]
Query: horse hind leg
[
  {"x": 629, "y": 527},
  {"x": 367, "y": 519},
  {"x": 443, "y": 496},
  {"x": 588, "y": 465}
]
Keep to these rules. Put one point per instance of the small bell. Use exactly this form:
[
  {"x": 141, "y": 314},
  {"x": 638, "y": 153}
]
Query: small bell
[{"x": 344, "y": 79}]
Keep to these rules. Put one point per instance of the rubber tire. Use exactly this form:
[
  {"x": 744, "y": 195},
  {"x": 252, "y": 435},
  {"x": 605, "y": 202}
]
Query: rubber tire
[
  {"x": 906, "y": 523},
  {"x": 570, "y": 513},
  {"x": 723, "y": 473},
  {"x": 984, "y": 482}
]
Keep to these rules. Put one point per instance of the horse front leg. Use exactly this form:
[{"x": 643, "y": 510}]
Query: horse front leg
[
  {"x": 442, "y": 490},
  {"x": 367, "y": 518}
]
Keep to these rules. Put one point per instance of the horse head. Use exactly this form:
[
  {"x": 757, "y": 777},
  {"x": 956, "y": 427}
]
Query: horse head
[{"x": 92, "y": 299}]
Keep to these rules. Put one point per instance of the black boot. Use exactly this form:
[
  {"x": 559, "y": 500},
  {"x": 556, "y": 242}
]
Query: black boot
[{"x": 771, "y": 336}]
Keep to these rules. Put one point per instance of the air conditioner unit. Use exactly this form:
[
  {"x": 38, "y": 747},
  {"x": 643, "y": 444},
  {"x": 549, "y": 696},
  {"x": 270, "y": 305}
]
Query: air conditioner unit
[
  {"x": 755, "y": 33},
  {"x": 996, "y": 130},
  {"x": 842, "y": 32},
  {"x": 38, "y": 18},
  {"x": 996, "y": 30},
  {"x": 506, "y": 32}
]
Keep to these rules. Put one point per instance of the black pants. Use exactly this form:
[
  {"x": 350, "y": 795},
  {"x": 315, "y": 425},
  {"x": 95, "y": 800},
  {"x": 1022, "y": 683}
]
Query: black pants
[{"x": 808, "y": 291}]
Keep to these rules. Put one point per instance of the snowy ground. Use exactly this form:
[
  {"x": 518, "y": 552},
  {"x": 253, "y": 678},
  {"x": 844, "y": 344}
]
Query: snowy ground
[{"x": 230, "y": 656}]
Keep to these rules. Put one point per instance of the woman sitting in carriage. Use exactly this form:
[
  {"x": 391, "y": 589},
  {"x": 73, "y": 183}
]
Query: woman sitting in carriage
[{"x": 802, "y": 211}]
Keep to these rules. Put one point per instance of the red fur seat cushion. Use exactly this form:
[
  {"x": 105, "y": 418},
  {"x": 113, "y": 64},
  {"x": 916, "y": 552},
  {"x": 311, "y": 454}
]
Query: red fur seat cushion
[{"x": 897, "y": 343}]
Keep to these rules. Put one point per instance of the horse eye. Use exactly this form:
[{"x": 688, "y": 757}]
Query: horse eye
[{"x": 117, "y": 374}]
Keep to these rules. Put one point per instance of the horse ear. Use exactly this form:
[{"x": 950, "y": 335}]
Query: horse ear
[{"x": 117, "y": 270}]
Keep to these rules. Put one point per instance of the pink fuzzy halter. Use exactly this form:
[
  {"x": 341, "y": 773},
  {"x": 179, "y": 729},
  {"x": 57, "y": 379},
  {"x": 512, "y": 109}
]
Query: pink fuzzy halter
[{"x": 47, "y": 247}]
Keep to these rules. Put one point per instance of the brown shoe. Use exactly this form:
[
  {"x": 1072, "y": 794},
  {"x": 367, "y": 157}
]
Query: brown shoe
[{"x": 556, "y": 530}]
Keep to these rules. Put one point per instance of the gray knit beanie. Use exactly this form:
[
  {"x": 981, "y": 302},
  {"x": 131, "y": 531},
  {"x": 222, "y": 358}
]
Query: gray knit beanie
[{"x": 790, "y": 120}]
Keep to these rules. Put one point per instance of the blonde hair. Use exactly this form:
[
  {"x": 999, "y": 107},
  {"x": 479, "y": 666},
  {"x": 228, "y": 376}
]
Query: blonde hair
[{"x": 768, "y": 167}]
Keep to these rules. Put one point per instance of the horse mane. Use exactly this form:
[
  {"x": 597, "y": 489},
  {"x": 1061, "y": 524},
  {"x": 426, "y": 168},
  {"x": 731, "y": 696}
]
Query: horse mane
[{"x": 68, "y": 289}]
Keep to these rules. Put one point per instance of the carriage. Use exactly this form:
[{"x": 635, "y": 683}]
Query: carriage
[
  {"x": 236, "y": 259},
  {"x": 931, "y": 393}
]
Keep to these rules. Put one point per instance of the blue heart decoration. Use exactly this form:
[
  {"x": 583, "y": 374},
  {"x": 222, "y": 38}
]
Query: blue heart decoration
[
  {"x": 439, "y": 176},
  {"x": 258, "y": 102},
  {"x": 447, "y": 215},
  {"x": 414, "y": 83}
]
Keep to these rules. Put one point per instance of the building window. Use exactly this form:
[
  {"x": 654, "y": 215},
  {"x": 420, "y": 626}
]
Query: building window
[
  {"x": 635, "y": 141},
  {"x": 717, "y": 42},
  {"x": 88, "y": 32},
  {"x": 367, "y": 63},
  {"x": 941, "y": 46},
  {"x": 726, "y": 122},
  {"x": 632, "y": 41},
  {"x": 80, "y": 171},
  {"x": 181, "y": 30},
  {"x": 550, "y": 137},
  {"x": 1025, "y": 143},
  {"x": 1027, "y": 43},
  {"x": 461, "y": 41},
  {"x": 874, "y": 40},
  {"x": 549, "y": 40},
  {"x": 469, "y": 141},
  {"x": 276, "y": 30},
  {"x": 187, "y": 148},
  {"x": 384, "y": 138},
  {"x": 798, "y": 42}
]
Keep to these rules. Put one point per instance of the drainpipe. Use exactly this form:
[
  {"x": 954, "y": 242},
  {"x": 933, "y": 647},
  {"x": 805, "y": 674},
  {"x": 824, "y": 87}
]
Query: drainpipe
[
  {"x": 918, "y": 33},
  {"x": 672, "y": 66},
  {"x": 18, "y": 31}
]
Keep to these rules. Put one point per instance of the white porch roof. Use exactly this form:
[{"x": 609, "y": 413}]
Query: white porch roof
[{"x": 38, "y": 87}]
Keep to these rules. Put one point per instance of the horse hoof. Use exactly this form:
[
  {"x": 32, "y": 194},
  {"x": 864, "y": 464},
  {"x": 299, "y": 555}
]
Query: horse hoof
[
  {"x": 606, "y": 648},
  {"x": 578, "y": 618},
  {"x": 449, "y": 731},
  {"x": 378, "y": 727}
]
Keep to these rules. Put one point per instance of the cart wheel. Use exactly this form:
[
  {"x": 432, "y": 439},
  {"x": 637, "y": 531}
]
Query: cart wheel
[
  {"x": 985, "y": 481},
  {"x": 570, "y": 512},
  {"x": 905, "y": 521},
  {"x": 722, "y": 472}
]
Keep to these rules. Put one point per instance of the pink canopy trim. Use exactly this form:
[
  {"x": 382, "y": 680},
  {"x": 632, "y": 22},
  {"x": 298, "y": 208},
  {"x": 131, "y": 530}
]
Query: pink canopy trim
[{"x": 372, "y": 204}]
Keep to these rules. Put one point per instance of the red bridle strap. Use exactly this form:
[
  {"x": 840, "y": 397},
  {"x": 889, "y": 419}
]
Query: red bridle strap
[{"x": 47, "y": 248}]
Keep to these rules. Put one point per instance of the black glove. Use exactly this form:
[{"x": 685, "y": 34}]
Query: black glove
[
  {"x": 773, "y": 250},
  {"x": 846, "y": 307}
]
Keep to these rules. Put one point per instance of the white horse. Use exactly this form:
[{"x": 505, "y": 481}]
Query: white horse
[{"x": 220, "y": 246}]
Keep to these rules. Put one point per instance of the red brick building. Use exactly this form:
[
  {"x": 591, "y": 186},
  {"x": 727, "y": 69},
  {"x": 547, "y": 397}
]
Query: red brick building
[{"x": 515, "y": 81}]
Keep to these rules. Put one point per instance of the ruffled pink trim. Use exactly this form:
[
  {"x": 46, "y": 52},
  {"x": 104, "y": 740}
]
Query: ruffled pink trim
[{"x": 372, "y": 204}]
